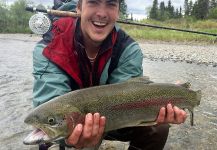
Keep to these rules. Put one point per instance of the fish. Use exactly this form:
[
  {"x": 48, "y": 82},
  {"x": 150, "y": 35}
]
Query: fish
[{"x": 135, "y": 102}]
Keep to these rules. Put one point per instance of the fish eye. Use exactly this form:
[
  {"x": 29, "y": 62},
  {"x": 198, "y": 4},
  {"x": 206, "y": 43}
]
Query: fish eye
[{"x": 51, "y": 120}]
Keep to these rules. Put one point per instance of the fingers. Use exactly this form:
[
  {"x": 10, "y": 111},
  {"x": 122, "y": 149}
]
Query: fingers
[
  {"x": 98, "y": 130},
  {"x": 90, "y": 133},
  {"x": 85, "y": 138},
  {"x": 96, "y": 121},
  {"x": 75, "y": 136},
  {"x": 161, "y": 116},
  {"x": 180, "y": 114},
  {"x": 171, "y": 114},
  {"x": 102, "y": 125},
  {"x": 101, "y": 128},
  {"x": 88, "y": 126}
]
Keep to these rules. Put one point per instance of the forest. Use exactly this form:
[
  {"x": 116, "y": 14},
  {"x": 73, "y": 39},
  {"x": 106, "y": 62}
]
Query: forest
[{"x": 201, "y": 9}]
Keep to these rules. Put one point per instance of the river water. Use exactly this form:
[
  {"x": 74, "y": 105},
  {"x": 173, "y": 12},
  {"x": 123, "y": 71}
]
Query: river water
[{"x": 16, "y": 96}]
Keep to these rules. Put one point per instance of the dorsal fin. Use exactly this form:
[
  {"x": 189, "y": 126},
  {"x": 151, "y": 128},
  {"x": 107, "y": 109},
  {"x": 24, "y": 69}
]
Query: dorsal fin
[{"x": 143, "y": 79}]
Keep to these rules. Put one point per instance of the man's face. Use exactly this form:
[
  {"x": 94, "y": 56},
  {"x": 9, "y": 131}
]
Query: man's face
[{"x": 98, "y": 18}]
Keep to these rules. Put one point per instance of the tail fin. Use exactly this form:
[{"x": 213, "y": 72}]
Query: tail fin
[
  {"x": 191, "y": 116},
  {"x": 199, "y": 95},
  {"x": 190, "y": 110}
]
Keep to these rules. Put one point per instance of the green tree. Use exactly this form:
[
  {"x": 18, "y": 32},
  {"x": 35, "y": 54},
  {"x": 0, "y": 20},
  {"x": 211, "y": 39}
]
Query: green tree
[
  {"x": 162, "y": 7},
  {"x": 3, "y": 17},
  {"x": 162, "y": 11},
  {"x": 213, "y": 9},
  {"x": 195, "y": 11},
  {"x": 213, "y": 13},
  {"x": 19, "y": 17},
  {"x": 177, "y": 13},
  {"x": 170, "y": 9},
  {"x": 123, "y": 10},
  {"x": 154, "y": 10},
  {"x": 186, "y": 7},
  {"x": 180, "y": 12},
  {"x": 203, "y": 6},
  {"x": 213, "y": 4},
  {"x": 190, "y": 7}
]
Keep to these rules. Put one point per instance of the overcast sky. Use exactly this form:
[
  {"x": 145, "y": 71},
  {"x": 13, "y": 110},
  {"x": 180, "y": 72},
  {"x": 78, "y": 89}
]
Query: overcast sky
[{"x": 137, "y": 7}]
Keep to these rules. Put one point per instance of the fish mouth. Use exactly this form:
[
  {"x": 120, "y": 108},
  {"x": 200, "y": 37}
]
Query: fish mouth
[{"x": 38, "y": 136}]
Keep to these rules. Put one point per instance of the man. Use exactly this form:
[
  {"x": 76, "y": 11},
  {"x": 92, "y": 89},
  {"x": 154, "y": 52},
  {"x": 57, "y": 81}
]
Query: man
[{"x": 91, "y": 51}]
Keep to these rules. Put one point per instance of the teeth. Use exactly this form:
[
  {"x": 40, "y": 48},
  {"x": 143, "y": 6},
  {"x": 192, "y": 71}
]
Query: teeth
[{"x": 99, "y": 23}]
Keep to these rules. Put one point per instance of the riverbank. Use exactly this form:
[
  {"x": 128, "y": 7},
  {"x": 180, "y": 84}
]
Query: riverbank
[
  {"x": 21, "y": 37},
  {"x": 198, "y": 53},
  {"x": 190, "y": 52},
  {"x": 154, "y": 34}
]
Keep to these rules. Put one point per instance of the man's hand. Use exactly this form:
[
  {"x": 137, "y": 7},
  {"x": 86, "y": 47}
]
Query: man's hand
[
  {"x": 171, "y": 114},
  {"x": 89, "y": 134}
]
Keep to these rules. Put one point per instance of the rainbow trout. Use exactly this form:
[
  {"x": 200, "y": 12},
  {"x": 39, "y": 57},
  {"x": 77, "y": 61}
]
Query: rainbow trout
[{"x": 135, "y": 102}]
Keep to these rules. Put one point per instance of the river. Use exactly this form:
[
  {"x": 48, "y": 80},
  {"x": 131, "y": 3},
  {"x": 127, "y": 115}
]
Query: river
[{"x": 16, "y": 96}]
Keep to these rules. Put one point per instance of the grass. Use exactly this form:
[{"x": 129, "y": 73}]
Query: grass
[{"x": 146, "y": 33}]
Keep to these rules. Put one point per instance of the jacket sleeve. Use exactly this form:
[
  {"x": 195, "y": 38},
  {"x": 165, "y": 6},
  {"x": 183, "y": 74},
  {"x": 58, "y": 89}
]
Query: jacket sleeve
[
  {"x": 49, "y": 80},
  {"x": 129, "y": 65}
]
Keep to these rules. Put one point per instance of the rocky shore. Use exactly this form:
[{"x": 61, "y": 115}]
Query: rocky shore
[{"x": 181, "y": 52}]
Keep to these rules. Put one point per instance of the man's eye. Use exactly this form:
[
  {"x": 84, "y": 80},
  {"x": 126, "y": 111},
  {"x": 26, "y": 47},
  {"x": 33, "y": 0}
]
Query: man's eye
[
  {"x": 92, "y": 2},
  {"x": 113, "y": 4}
]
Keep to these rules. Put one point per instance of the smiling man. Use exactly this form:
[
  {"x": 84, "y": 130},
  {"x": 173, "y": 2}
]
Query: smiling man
[{"x": 89, "y": 51}]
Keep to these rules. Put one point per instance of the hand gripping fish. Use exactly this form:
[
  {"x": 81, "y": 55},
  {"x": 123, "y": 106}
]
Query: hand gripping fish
[{"x": 135, "y": 102}]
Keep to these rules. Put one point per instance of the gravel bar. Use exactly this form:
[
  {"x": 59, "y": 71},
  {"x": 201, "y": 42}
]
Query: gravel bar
[{"x": 191, "y": 53}]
